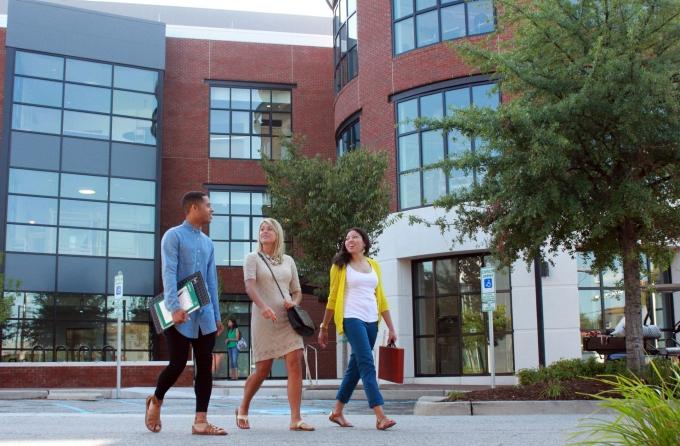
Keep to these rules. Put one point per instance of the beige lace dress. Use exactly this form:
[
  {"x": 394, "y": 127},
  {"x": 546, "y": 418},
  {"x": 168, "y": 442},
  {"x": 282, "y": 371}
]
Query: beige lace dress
[{"x": 271, "y": 340}]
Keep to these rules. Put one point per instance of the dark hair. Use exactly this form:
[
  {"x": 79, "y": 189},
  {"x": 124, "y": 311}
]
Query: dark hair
[
  {"x": 232, "y": 319},
  {"x": 189, "y": 199},
  {"x": 342, "y": 257}
]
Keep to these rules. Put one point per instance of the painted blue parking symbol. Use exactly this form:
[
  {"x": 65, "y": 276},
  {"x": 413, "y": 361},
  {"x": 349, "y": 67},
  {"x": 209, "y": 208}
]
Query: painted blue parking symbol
[{"x": 488, "y": 283}]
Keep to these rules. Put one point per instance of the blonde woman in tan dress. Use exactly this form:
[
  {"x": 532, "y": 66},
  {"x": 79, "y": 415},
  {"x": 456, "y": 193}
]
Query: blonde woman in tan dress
[{"x": 272, "y": 336}]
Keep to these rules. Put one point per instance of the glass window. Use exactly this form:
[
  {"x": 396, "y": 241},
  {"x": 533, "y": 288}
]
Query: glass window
[
  {"x": 84, "y": 214},
  {"x": 137, "y": 131},
  {"x": 33, "y": 182},
  {"x": 345, "y": 42},
  {"x": 31, "y": 238},
  {"x": 84, "y": 187},
  {"x": 36, "y": 119},
  {"x": 139, "y": 105},
  {"x": 133, "y": 191},
  {"x": 37, "y": 91},
  {"x": 236, "y": 132},
  {"x": 81, "y": 97},
  {"x": 82, "y": 242},
  {"x": 235, "y": 224},
  {"x": 458, "y": 18},
  {"x": 31, "y": 210},
  {"x": 131, "y": 217},
  {"x": 39, "y": 65},
  {"x": 350, "y": 138},
  {"x": 418, "y": 148},
  {"x": 86, "y": 125},
  {"x": 131, "y": 245},
  {"x": 91, "y": 73},
  {"x": 135, "y": 79}
]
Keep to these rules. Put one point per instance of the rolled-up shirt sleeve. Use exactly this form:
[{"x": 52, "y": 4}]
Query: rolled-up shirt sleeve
[{"x": 169, "y": 261}]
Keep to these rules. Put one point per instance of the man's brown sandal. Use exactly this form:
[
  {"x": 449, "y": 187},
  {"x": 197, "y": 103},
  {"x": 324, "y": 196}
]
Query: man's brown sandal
[
  {"x": 339, "y": 420},
  {"x": 384, "y": 423},
  {"x": 207, "y": 429},
  {"x": 152, "y": 418}
]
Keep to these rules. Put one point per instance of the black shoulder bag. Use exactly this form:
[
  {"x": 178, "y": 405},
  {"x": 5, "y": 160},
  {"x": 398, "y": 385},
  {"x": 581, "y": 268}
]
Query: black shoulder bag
[{"x": 299, "y": 319}]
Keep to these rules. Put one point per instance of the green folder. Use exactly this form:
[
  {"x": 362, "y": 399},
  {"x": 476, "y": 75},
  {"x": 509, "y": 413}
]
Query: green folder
[{"x": 192, "y": 295}]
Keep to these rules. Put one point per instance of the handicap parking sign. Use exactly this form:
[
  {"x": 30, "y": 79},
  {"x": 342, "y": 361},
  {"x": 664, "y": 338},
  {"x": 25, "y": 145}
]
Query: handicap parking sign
[{"x": 488, "y": 283}]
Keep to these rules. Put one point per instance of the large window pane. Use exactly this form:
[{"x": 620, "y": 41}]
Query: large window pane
[
  {"x": 433, "y": 147},
  {"x": 261, "y": 99},
  {"x": 133, "y": 191},
  {"x": 352, "y": 34},
  {"x": 39, "y": 65},
  {"x": 88, "y": 72},
  {"x": 409, "y": 152},
  {"x": 424, "y": 4},
  {"x": 219, "y": 121},
  {"x": 240, "y": 122},
  {"x": 219, "y": 228},
  {"x": 431, "y": 106},
  {"x": 240, "y": 228},
  {"x": 131, "y": 217},
  {"x": 426, "y": 364},
  {"x": 427, "y": 28},
  {"x": 453, "y": 21},
  {"x": 425, "y": 316},
  {"x": 37, "y": 91},
  {"x": 31, "y": 238},
  {"x": 402, "y": 8},
  {"x": 131, "y": 245},
  {"x": 425, "y": 279},
  {"x": 474, "y": 355},
  {"x": 590, "y": 305},
  {"x": 219, "y": 97},
  {"x": 86, "y": 125},
  {"x": 409, "y": 190},
  {"x": 219, "y": 146},
  {"x": 459, "y": 98},
  {"x": 434, "y": 185},
  {"x": 403, "y": 36},
  {"x": 221, "y": 253},
  {"x": 33, "y": 182},
  {"x": 219, "y": 202},
  {"x": 36, "y": 119},
  {"x": 281, "y": 100},
  {"x": 139, "y": 131},
  {"x": 85, "y": 214},
  {"x": 485, "y": 96},
  {"x": 94, "y": 99},
  {"x": 281, "y": 124},
  {"x": 85, "y": 187},
  {"x": 614, "y": 302},
  {"x": 139, "y": 105},
  {"x": 83, "y": 242},
  {"x": 31, "y": 210},
  {"x": 240, "y": 146},
  {"x": 480, "y": 17},
  {"x": 135, "y": 79},
  {"x": 239, "y": 250},
  {"x": 240, "y": 98},
  {"x": 407, "y": 111}
]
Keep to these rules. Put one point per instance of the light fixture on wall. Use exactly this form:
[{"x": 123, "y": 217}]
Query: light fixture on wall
[{"x": 86, "y": 191}]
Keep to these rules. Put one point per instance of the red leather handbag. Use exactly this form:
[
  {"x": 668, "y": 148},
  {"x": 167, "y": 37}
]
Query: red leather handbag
[{"x": 391, "y": 363}]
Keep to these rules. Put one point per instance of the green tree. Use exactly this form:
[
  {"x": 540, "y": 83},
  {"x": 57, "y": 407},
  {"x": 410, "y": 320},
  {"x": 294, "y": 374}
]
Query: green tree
[
  {"x": 6, "y": 300},
  {"x": 317, "y": 200},
  {"x": 584, "y": 155}
]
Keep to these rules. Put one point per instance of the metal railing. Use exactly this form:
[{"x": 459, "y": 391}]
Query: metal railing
[
  {"x": 60, "y": 348},
  {"x": 105, "y": 350},
  {"x": 41, "y": 348},
  {"x": 84, "y": 348},
  {"x": 316, "y": 365}
]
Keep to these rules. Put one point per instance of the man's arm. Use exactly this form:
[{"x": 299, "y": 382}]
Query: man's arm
[
  {"x": 169, "y": 262},
  {"x": 211, "y": 282}
]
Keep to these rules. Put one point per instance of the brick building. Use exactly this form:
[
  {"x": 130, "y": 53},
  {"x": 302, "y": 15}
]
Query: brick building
[{"x": 112, "y": 111}]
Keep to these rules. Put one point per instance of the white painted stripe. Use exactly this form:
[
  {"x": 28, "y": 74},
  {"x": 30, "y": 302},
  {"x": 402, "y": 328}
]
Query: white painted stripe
[{"x": 247, "y": 35}]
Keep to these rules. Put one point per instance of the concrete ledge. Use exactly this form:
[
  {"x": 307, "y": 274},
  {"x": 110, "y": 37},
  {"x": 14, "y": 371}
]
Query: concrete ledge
[
  {"x": 435, "y": 406},
  {"x": 75, "y": 395},
  {"x": 23, "y": 394}
]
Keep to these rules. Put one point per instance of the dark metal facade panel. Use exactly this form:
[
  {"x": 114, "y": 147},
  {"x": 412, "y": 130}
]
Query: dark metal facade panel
[
  {"x": 81, "y": 275},
  {"x": 33, "y": 272},
  {"x": 85, "y": 156},
  {"x": 138, "y": 276},
  {"x": 57, "y": 29},
  {"x": 131, "y": 161},
  {"x": 34, "y": 151}
]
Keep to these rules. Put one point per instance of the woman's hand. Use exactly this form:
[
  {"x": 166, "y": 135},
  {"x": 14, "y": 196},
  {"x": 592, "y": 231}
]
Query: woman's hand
[
  {"x": 391, "y": 337},
  {"x": 323, "y": 337},
  {"x": 268, "y": 313},
  {"x": 288, "y": 304}
]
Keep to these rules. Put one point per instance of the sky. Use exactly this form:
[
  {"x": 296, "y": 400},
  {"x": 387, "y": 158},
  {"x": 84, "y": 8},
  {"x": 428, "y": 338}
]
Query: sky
[{"x": 317, "y": 8}]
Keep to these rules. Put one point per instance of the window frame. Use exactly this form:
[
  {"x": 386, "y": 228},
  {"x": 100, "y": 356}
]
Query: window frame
[
  {"x": 352, "y": 125},
  {"x": 351, "y": 54}
]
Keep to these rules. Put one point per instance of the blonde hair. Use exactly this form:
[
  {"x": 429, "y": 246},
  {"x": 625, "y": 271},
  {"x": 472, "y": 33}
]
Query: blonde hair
[{"x": 279, "y": 245}]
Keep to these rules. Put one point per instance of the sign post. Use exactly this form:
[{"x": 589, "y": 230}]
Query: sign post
[
  {"x": 488, "y": 279},
  {"x": 118, "y": 305}
]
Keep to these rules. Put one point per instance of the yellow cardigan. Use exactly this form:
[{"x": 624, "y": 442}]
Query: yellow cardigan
[{"x": 336, "y": 297}]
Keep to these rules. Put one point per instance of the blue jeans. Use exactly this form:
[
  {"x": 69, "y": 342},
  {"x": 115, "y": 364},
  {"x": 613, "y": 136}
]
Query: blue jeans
[
  {"x": 361, "y": 336},
  {"x": 233, "y": 357}
]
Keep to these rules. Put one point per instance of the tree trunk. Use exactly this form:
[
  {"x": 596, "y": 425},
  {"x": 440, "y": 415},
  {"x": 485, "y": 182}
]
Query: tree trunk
[{"x": 635, "y": 353}]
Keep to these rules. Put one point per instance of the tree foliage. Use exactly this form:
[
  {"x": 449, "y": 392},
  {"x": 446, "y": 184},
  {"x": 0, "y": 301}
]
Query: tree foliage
[
  {"x": 317, "y": 200},
  {"x": 584, "y": 153},
  {"x": 6, "y": 300}
]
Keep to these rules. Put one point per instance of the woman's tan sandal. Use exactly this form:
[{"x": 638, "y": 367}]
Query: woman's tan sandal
[
  {"x": 301, "y": 426},
  {"x": 339, "y": 420},
  {"x": 152, "y": 418},
  {"x": 384, "y": 423},
  {"x": 207, "y": 429},
  {"x": 242, "y": 421}
]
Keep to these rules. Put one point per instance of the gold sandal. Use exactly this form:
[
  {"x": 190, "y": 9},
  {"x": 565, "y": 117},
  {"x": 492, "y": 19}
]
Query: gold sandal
[
  {"x": 301, "y": 426},
  {"x": 152, "y": 418},
  {"x": 209, "y": 429}
]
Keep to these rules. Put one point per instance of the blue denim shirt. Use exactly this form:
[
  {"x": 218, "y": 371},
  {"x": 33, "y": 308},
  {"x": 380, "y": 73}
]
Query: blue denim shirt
[{"x": 185, "y": 250}]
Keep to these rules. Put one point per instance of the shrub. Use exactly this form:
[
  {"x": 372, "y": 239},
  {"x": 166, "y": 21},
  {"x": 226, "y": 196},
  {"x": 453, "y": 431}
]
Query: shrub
[
  {"x": 552, "y": 391},
  {"x": 567, "y": 369},
  {"x": 455, "y": 395},
  {"x": 646, "y": 415}
]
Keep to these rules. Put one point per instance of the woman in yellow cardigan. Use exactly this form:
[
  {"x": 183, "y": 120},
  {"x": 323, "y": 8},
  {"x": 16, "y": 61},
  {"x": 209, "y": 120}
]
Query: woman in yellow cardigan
[{"x": 358, "y": 301}]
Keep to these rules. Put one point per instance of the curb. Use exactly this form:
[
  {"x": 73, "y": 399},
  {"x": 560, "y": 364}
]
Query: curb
[{"x": 435, "y": 406}]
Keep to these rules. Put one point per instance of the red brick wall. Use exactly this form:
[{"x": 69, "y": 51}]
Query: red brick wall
[
  {"x": 100, "y": 376},
  {"x": 185, "y": 162}
]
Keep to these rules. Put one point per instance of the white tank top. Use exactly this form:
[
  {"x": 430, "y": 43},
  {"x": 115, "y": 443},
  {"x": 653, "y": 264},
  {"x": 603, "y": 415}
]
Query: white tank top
[{"x": 360, "y": 301}]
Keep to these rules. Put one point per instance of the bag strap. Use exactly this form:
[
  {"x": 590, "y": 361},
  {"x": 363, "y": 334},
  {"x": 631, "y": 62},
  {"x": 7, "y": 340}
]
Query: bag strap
[{"x": 273, "y": 276}]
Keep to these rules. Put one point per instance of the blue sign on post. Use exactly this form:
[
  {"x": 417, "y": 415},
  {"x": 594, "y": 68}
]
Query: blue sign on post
[{"x": 488, "y": 279}]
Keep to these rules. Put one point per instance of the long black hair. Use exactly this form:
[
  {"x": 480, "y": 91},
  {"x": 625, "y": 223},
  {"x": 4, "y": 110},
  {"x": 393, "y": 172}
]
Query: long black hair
[
  {"x": 342, "y": 257},
  {"x": 233, "y": 320}
]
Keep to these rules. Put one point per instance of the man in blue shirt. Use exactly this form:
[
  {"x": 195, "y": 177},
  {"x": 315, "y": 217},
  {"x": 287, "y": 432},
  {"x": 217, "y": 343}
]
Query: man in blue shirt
[{"x": 185, "y": 249}]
